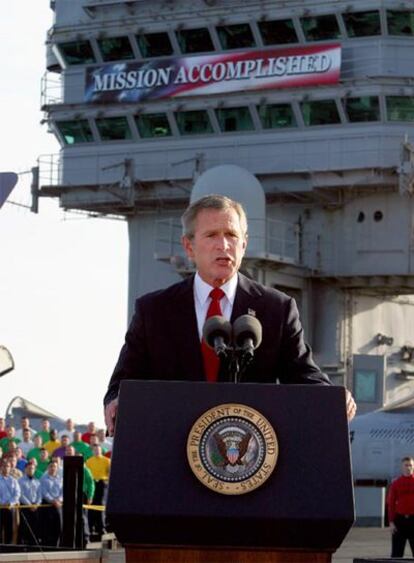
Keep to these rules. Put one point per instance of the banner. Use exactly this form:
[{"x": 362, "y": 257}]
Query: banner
[{"x": 214, "y": 74}]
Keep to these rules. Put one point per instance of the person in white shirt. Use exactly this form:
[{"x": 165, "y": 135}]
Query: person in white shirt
[
  {"x": 24, "y": 425},
  {"x": 68, "y": 430},
  {"x": 26, "y": 444},
  {"x": 9, "y": 497}
]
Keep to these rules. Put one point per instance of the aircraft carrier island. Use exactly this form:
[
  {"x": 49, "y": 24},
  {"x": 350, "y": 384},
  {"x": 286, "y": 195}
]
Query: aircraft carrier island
[{"x": 301, "y": 110}]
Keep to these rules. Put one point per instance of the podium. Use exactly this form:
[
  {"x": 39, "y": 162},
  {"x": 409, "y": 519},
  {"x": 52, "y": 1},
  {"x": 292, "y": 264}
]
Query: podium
[{"x": 160, "y": 511}]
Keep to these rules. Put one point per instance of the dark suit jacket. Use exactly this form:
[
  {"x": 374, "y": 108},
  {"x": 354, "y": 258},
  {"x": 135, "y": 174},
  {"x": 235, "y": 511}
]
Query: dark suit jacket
[{"x": 162, "y": 341}]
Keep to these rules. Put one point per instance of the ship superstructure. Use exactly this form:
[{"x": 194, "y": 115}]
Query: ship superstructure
[{"x": 303, "y": 110}]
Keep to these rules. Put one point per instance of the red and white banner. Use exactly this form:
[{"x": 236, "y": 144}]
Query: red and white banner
[{"x": 214, "y": 74}]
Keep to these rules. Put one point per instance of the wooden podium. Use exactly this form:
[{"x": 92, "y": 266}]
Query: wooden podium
[{"x": 161, "y": 512}]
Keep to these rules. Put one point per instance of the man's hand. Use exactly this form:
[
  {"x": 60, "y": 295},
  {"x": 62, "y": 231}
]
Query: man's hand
[
  {"x": 393, "y": 529},
  {"x": 110, "y": 414},
  {"x": 350, "y": 405}
]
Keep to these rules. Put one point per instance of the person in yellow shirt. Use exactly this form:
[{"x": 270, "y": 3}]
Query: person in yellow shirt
[
  {"x": 53, "y": 443},
  {"x": 99, "y": 466}
]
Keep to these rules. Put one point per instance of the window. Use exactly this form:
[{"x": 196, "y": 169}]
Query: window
[
  {"x": 361, "y": 24},
  {"x": 154, "y": 44},
  {"x": 400, "y": 108},
  {"x": 153, "y": 125},
  {"x": 115, "y": 48},
  {"x": 236, "y": 36},
  {"x": 77, "y": 52},
  {"x": 234, "y": 119},
  {"x": 113, "y": 128},
  {"x": 276, "y": 116},
  {"x": 400, "y": 22},
  {"x": 277, "y": 32},
  {"x": 75, "y": 131},
  {"x": 321, "y": 112},
  {"x": 364, "y": 108},
  {"x": 194, "y": 122},
  {"x": 195, "y": 40},
  {"x": 365, "y": 385},
  {"x": 320, "y": 28}
]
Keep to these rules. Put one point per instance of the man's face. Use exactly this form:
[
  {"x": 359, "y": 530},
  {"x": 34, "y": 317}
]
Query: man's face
[
  {"x": 65, "y": 441},
  {"x": 69, "y": 424},
  {"x": 2, "y": 424},
  {"x": 43, "y": 455},
  {"x": 30, "y": 469},
  {"x": 37, "y": 441},
  {"x": 10, "y": 431},
  {"x": 407, "y": 468},
  {"x": 218, "y": 245},
  {"x": 91, "y": 427},
  {"x": 70, "y": 450},
  {"x": 53, "y": 435},
  {"x": 6, "y": 468},
  {"x": 26, "y": 435},
  {"x": 77, "y": 437},
  {"x": 12, "y": 447},
  {"x": 25, "y": 422},
  {"x": 52, "y": 468},
  {"x": 45, "y": 425}
]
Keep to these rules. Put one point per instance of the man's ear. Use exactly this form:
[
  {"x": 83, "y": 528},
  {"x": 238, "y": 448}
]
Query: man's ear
[{"x": 188, "y": 247}]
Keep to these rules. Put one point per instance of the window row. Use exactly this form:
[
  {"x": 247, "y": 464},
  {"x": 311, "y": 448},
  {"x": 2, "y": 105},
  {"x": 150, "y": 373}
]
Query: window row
[
  {"x": 231, "y": 119},
  {"x": 238, "y": 36}
]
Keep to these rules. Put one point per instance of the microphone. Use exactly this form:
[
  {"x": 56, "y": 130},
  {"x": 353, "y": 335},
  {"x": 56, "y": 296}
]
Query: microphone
[
  {"x": 247, "y": 335},
  {"x": 217, "y": 334}
]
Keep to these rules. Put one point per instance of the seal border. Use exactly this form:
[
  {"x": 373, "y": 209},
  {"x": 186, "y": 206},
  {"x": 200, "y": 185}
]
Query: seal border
[{"x": 251, "y": 415}]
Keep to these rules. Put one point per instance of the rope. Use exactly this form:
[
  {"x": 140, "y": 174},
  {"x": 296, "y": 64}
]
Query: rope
[{"x": 100, "y": 508}]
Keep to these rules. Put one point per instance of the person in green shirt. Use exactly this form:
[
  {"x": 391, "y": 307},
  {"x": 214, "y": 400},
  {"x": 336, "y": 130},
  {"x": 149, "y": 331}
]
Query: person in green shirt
[
  {"x": 11, "y": 437},
  {"x": 35, "y": 452},
  {"x": 45, "y": 431},
  {"x": 42, "y": 463},
  {"x": 81, "y": 447}
]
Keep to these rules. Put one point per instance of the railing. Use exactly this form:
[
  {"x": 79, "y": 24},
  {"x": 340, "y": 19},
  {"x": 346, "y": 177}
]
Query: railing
[
  {"x": 50, "y": 170},
  {"x": 51, "y": 89},
  {"x": 282, "y": 239}
]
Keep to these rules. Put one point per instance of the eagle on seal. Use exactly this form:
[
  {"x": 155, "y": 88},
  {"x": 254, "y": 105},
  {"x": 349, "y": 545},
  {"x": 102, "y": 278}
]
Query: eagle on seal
[{"x": 233, "y": 452}]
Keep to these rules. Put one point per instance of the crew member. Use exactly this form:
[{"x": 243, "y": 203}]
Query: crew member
[{"x": 400, "y": 503}]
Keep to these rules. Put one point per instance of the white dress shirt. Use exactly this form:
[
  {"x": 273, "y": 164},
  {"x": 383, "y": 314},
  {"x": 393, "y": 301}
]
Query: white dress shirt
[{"x": 202, "y": 300}]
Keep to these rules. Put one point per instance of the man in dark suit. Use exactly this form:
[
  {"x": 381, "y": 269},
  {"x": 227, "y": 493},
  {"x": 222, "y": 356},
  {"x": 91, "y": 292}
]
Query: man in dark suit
[{"x": 163, "y": 339}]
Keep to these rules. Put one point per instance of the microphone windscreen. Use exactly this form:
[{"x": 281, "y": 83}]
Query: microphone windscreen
[
  {"x": 216, "y": 326},
  {"x": 245, "y": 327}
]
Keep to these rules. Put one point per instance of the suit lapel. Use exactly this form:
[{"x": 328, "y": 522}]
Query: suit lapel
[
  {"x": 186, "y": 336},
  {"x": 247, "y": 300}
]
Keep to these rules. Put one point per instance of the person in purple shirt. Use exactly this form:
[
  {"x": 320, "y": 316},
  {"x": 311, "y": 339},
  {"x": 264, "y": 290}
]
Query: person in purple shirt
[{"x": 60, "y": 452}]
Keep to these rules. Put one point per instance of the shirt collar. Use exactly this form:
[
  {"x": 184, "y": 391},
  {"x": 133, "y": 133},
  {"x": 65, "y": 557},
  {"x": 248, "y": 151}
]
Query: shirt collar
[{"x": 202, "y": 289}]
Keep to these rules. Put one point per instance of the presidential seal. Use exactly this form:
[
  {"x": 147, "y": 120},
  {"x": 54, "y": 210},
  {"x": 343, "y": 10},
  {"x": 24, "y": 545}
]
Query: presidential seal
[{"x": 232, "y": 449}]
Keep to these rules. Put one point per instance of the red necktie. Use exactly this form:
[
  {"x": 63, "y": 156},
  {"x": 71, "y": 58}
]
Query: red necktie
[{"x": 210, "y": 359}]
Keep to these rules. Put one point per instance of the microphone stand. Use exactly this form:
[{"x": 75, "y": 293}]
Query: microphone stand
[{"x": 239, "y": 361}]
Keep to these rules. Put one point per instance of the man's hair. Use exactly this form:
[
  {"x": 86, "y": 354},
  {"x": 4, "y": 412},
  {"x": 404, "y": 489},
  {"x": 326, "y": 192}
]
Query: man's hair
[
  {"x": 213, "y": 201},
  {"x": 407, "y": 458}
]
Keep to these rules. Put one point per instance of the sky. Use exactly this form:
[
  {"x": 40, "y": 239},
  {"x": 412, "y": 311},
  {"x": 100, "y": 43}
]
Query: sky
[{"x": 63, "y": 277}]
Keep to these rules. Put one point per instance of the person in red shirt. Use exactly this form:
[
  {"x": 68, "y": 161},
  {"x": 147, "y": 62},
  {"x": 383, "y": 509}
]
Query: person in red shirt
[
  {"x": 86, "y": 436},
  {"x": 400, "y": 503},
  {"x": 3, "y": 432}
]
